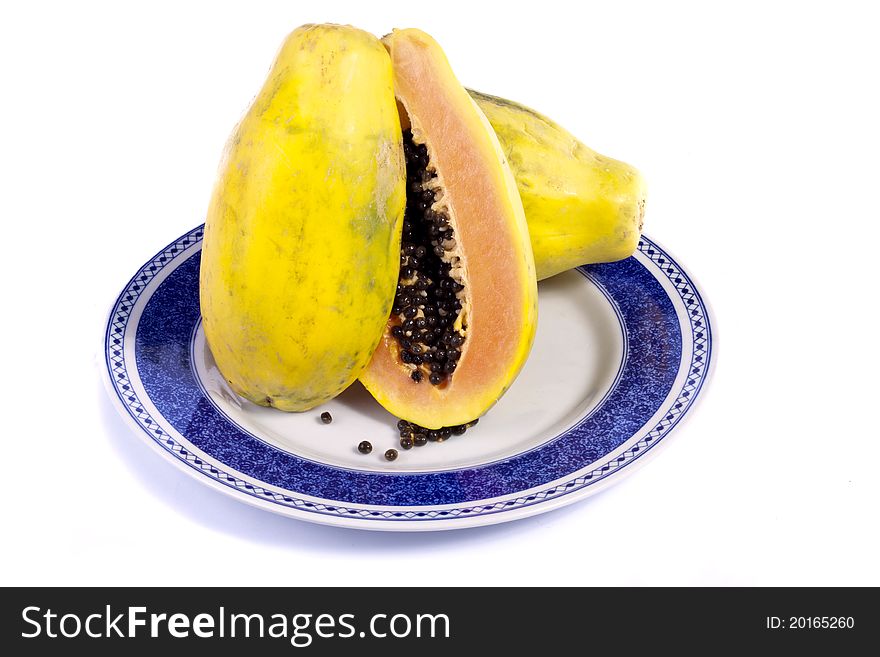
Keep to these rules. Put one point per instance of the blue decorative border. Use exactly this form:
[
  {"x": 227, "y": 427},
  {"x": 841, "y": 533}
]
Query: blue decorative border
[{"x": 700, "y": 336}]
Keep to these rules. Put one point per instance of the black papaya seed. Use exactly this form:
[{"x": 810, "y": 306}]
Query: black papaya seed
[{"x": 426, "y": 306}]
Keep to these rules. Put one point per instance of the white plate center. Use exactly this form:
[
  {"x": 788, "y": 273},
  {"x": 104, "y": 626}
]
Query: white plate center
[{"x": 575, "y": 360}]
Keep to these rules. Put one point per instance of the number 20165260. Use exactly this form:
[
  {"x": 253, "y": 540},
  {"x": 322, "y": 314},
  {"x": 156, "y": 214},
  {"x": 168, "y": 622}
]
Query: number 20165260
[{"x": 810, "y": 623}]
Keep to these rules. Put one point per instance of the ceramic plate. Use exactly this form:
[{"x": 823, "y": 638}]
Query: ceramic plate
[{"x": 621, "y": 355}]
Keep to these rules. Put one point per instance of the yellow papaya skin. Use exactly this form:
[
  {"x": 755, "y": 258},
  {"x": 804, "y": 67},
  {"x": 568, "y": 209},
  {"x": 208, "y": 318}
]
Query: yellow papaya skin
[
  {"x": 581, "y": 207},
  {"x": 302, "y": 239}
]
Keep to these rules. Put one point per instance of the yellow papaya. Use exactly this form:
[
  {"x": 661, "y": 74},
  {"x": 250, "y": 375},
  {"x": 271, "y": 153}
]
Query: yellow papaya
[
  {"x": 465, "y": 312},
  {"x": 302, "y": 237},
  {"x": 581, "y": 207}
]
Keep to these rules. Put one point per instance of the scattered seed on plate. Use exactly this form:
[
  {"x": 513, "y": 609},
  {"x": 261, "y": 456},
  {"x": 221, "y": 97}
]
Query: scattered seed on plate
[
  {"x": 420, "y": 435},
  {"x": 326, "y": 418},
  {"x": 391, "y": 454},
  {"x": 365, "y": 447},
  {"x": 406, "y": 443}
]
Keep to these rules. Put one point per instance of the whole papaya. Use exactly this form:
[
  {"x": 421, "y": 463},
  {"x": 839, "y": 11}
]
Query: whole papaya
[
  {"x": 581, "y": 207},
  {"x": 301, "y": 249}
]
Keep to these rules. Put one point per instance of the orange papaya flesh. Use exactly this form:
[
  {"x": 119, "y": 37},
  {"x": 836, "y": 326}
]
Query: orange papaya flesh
[{"x": 465, "y": 312}]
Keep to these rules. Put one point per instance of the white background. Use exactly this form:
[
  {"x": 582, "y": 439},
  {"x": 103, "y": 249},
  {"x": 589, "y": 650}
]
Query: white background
[{"x": 757, "y": 129}]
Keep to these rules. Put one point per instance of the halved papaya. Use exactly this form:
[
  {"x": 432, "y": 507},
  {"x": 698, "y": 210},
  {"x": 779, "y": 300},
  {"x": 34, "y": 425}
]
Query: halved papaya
[
  {"x": 299, "y": 260},
  {"x": 465, "y": 311}
]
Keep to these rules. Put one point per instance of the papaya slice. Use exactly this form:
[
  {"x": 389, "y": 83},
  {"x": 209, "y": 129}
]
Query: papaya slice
[{"x": 465, "y": 311}]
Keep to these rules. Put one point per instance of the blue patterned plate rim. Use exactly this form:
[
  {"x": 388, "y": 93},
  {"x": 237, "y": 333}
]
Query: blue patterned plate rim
[{"x": 598, "y": 449}]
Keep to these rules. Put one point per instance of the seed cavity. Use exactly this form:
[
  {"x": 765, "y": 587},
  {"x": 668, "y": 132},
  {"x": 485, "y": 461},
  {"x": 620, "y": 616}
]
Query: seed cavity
[{"x": 430, "y": 286}]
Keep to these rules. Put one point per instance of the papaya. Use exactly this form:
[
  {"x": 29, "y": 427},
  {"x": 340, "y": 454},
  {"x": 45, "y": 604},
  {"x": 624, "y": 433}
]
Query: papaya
[
  {"x": 302, "y": 238},
  {"x": 581, "y": 207},
  {"x": 465, "y": 311}
]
